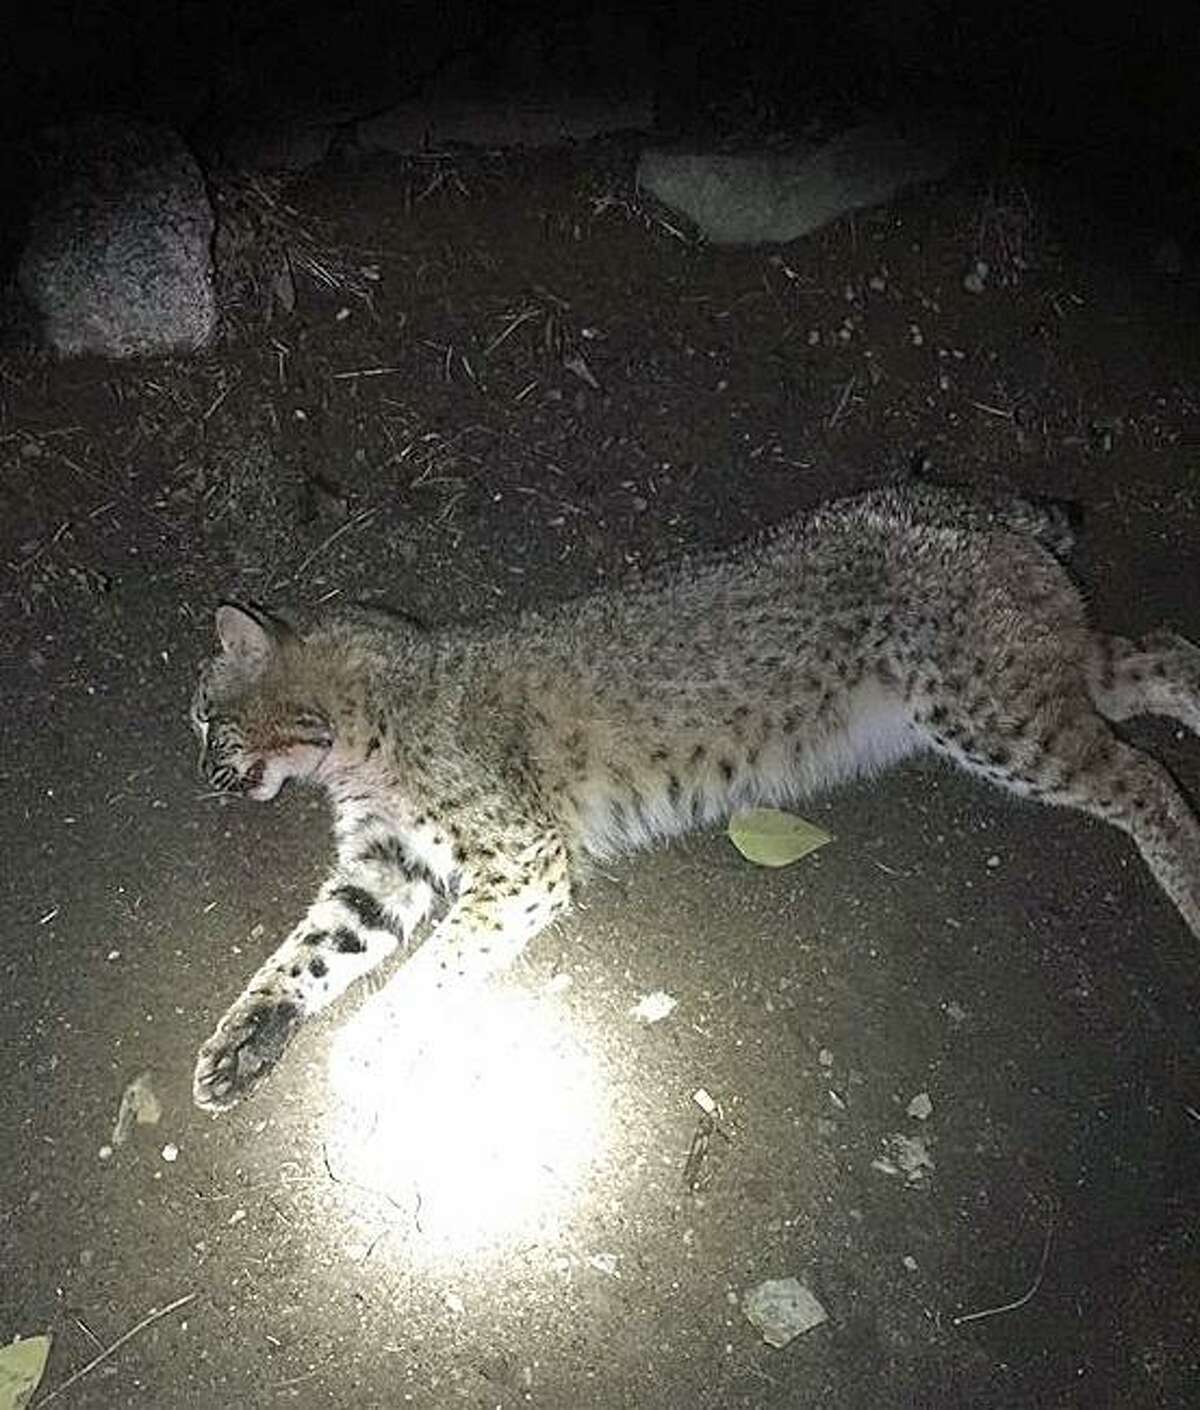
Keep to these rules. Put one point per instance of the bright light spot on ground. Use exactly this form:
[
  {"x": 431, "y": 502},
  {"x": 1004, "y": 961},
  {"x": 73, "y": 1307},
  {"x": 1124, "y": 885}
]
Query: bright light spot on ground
[{"x": 480, "y": 1120}]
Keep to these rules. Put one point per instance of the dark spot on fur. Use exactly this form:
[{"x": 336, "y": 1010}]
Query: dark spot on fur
[
  {"x": 314, "y": 937},
  {"x": 345, "y": 942},
  {"x": 317, "y": 967},
  {"x": 364, "y": 905}
]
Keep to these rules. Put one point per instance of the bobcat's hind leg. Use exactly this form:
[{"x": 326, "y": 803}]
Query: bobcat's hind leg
[
  {"x": 1056, "y": 747},
  {"x": 1156, "y": 675}
]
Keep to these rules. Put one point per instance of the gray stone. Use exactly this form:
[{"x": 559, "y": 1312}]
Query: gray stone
[
  {"x": 758, "y": 197},
  {"x": 118, "y": 260},
  {"x": 781, "y": 1309},
  {"x": 498, "y": 123}
]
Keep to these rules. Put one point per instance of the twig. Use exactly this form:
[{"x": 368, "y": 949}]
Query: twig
[
  {"x": 513, "y": 324},
  {"x": 1017, "y": 1302},
  {"x": 345, "y": 528},
  {"x": 155, "y": 1314},
  {"x": 841, "y": 406}
]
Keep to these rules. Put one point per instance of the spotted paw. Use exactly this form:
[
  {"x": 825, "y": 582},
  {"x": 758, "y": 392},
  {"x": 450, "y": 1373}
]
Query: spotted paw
[{"x": 249, "y": 1041}]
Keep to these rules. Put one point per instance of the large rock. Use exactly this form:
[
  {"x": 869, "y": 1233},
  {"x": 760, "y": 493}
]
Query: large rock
[
  {"x": 118, "y": 260},
  {"x": 753, "y": 198}
]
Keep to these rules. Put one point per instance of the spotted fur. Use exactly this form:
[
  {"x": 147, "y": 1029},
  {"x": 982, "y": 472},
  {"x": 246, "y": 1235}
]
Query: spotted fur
[{"x": 475, "y": 769}]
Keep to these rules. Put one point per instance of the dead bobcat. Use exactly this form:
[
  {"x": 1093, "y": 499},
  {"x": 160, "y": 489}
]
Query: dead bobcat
[{"x": 484, "y": 764}]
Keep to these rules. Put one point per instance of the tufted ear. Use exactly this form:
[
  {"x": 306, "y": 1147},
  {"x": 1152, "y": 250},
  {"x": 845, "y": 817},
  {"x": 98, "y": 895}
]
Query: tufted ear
[{"x": 246, "y": 634}]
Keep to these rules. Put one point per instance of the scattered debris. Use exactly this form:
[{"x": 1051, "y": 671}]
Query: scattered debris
[
  {"x": 139, "y": 1106},
  {"x": 21, "y": 1367},
  {"x": 709, "y": 1125},
  {"x": 781, "y": 1309},
  {"x": 454, "y": 1301},
  {"x": 905, "y": 1155},
  {"x": 605, "y": 1263},
  {"x": 156, "y": 1314},
  {"x": 975, "y": 279},
  {"x": 652, "y": 1008},
  {"x": 1025, "y": 1297},
  {"x": 954, "y": 1011},
  {"x": 772, "y": 838},
  {"x": 921, "y": 1107}
]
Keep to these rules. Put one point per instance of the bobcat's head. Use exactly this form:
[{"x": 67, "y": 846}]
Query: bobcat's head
[{"x": 253, "y": 711}]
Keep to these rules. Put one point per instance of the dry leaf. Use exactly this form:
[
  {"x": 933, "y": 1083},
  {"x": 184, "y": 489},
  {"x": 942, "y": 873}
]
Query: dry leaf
[
  {"x": 772, "y": 838},
  {"x": 21, "y": 1367}
]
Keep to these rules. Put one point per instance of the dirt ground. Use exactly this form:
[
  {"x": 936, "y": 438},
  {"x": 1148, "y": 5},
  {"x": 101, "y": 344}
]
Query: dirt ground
[{"x": 534, "y": 386}]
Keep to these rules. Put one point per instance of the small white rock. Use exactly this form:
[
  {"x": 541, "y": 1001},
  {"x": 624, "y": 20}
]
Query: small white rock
[
  {"x": 652, "y": 1008},
  {"x": 454, "y": 1302},
  {"x": 921, "y": 1107},
  {"x": 704, "y": 1101},
  {"x": 170, "y": 1152},
  {"x": 976, "y": 277}
]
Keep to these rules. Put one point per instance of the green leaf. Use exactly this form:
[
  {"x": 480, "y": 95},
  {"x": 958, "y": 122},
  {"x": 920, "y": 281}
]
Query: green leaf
[
  {"x": 21, "y": 1367},
  {"x": 774, "y": 839}
]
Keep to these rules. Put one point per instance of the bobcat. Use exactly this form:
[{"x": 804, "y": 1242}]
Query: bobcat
[{"x": 483, "y": 765}]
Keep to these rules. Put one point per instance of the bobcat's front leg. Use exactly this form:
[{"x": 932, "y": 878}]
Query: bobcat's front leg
[
  {"x": 354, "y": 924},
  {"x": 501, "y": 907}
]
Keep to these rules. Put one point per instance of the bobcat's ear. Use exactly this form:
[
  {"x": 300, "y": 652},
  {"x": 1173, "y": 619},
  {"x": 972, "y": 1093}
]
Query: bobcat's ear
[{"x": 246, "y": 634}]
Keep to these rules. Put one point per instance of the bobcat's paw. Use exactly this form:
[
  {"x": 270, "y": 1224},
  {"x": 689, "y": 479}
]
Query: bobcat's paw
[{"x": 249, "y": 1041}]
